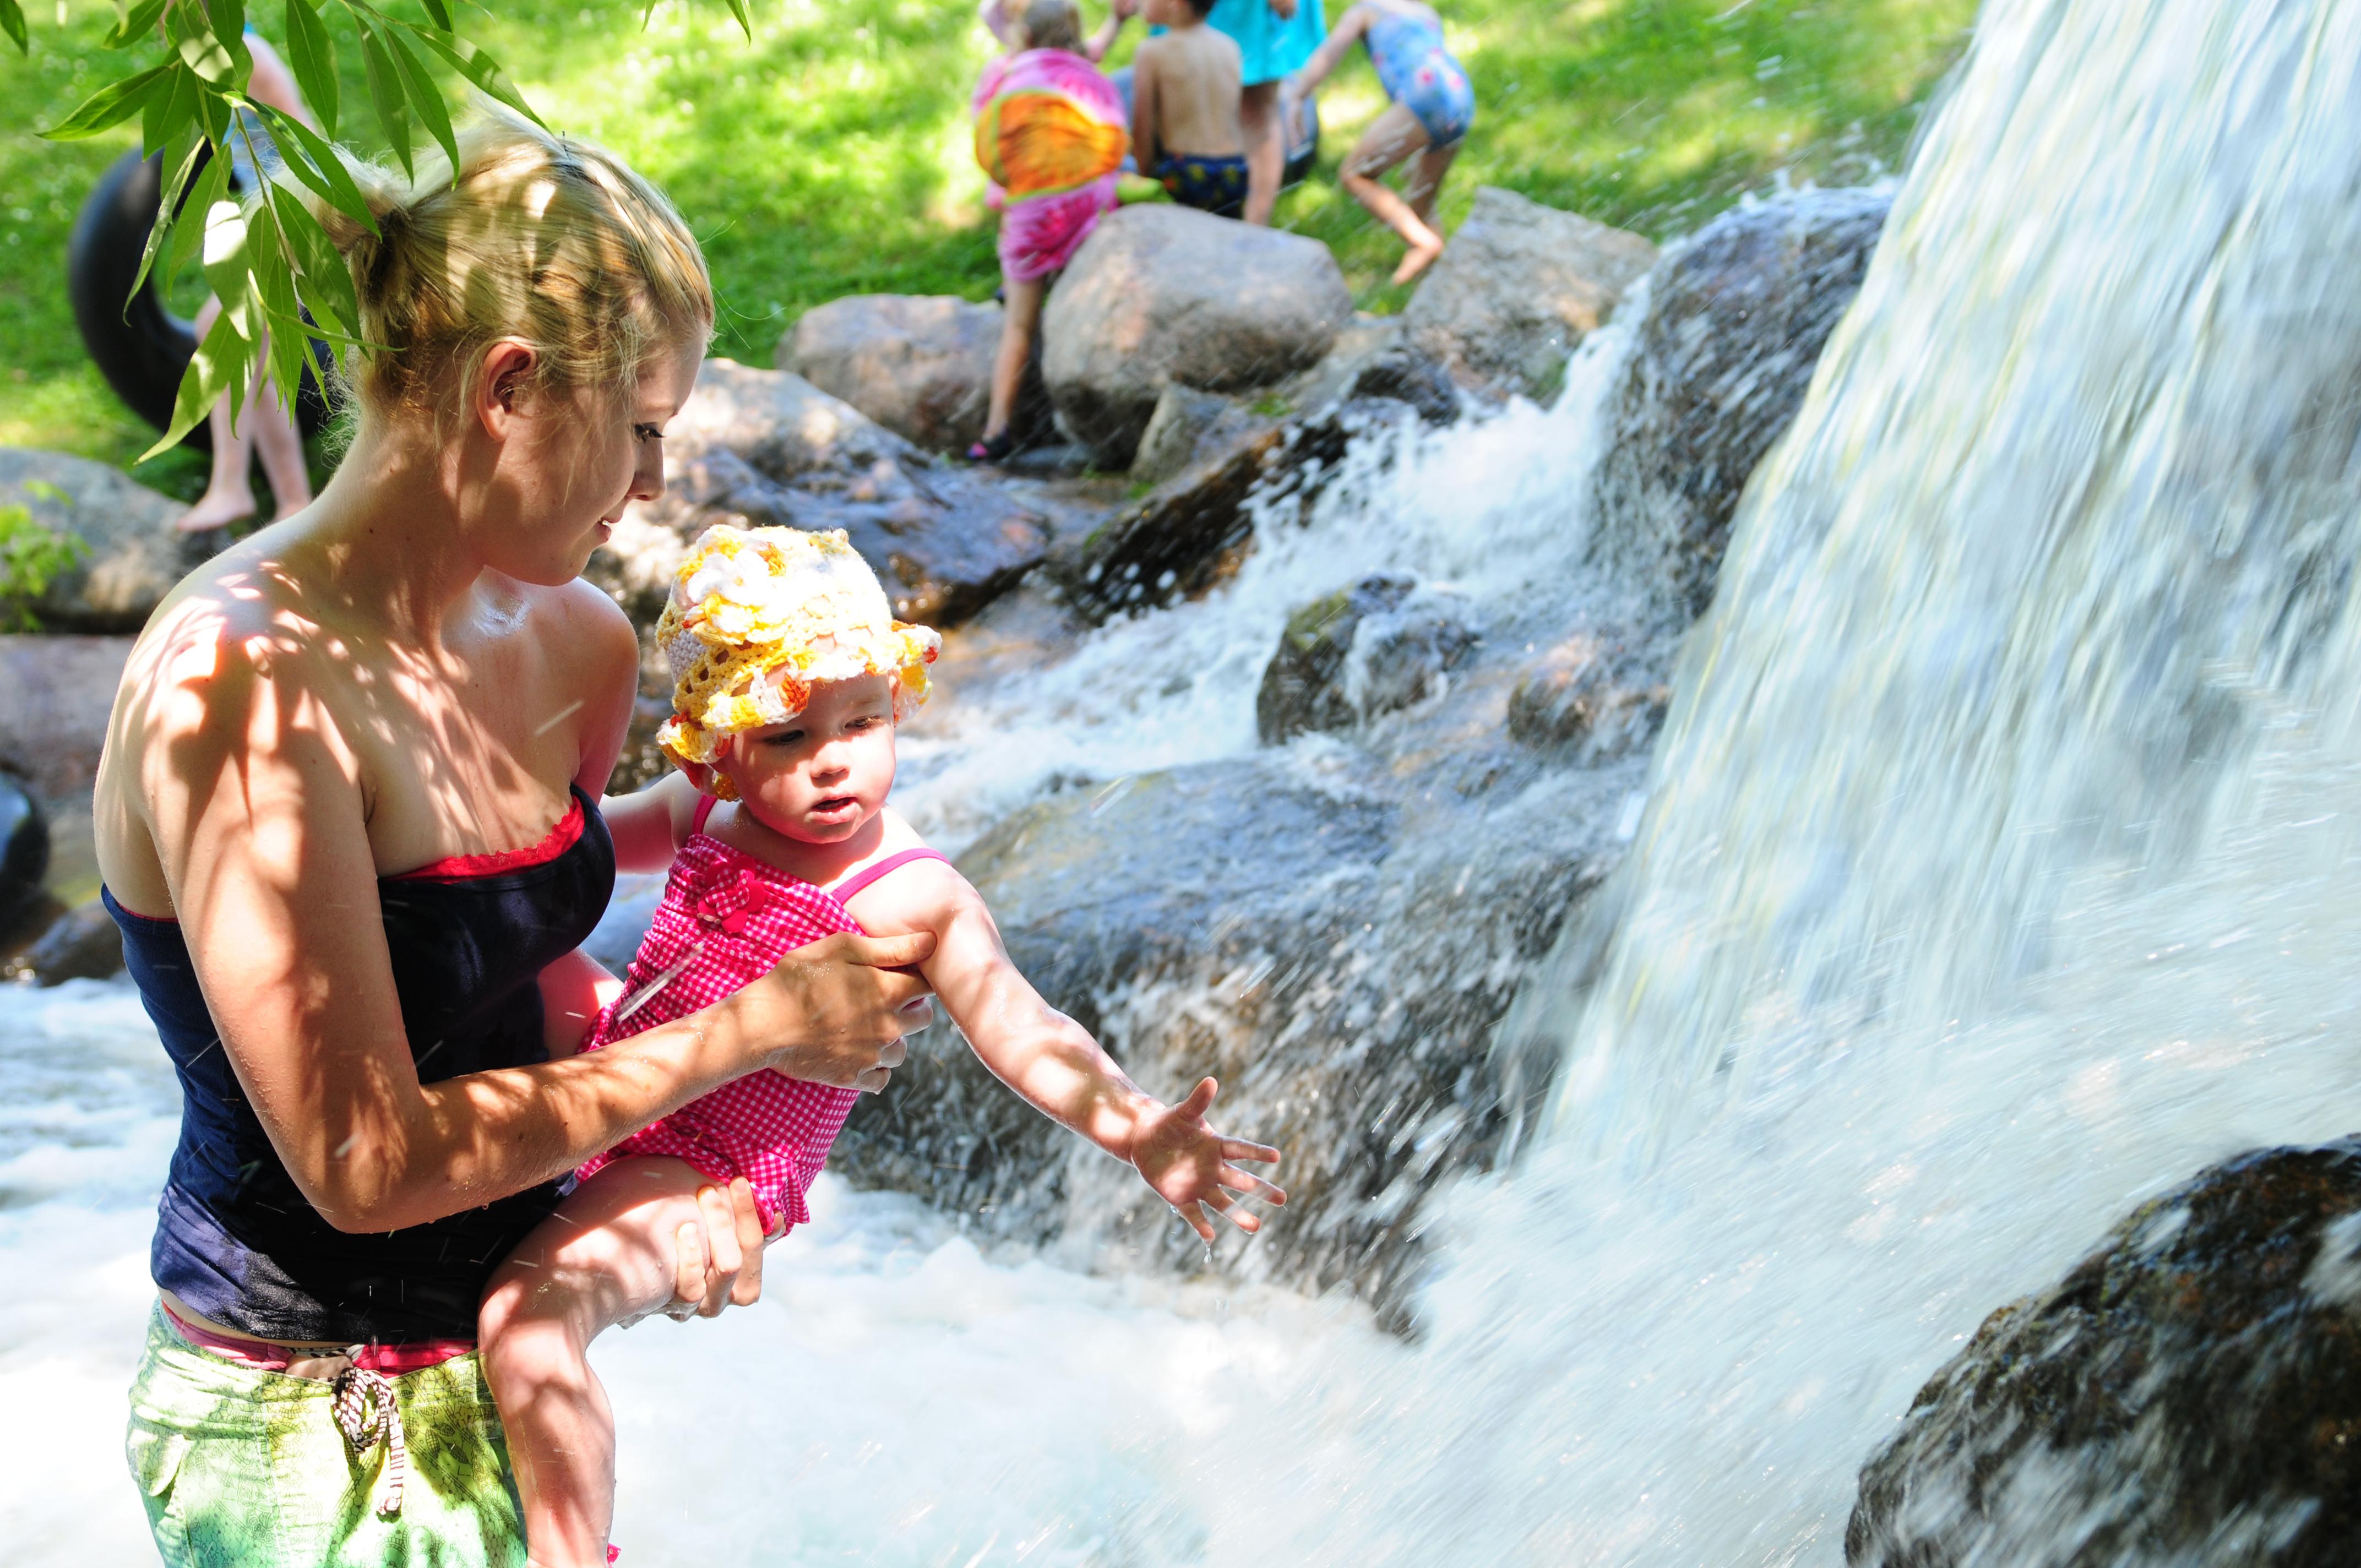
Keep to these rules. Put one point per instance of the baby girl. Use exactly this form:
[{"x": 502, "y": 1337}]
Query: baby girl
[{"x": 790, "y": 675}]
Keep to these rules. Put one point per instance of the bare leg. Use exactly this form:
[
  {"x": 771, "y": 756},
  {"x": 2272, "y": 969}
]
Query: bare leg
[
  {"x": 278, "y": 445},
  {"x": 1426, "y": 182},
  {"x": 1391, "y": 138},
  {"x": 1265, "y": 148},
  {"x": 606, "y": 1257},
  {"x": 229, "y": 493},
  {"x": 1018, "y": 325}
]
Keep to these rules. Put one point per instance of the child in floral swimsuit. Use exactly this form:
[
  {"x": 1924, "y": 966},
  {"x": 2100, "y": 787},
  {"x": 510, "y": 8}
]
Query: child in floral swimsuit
[{"x": 789, "y": 676}]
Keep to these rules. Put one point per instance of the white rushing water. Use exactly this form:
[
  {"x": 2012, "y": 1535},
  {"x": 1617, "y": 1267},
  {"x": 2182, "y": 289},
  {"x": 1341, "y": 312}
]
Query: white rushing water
[{"x": 1997, "y": 874}]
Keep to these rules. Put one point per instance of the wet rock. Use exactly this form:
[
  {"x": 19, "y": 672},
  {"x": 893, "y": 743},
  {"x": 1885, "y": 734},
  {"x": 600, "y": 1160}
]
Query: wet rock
[
  {"x": 81, "y": 943},
  {"x": 1192, "y": 529},
  {"x": 1160, "y": 293},
  {"x": 1588, "y": 694},
  {"x": 2190, "y": 1393},
  {"x": 1359, "y": 653},
  {"x": 1190, "y": 429},
  {"x": 1735, "y": 320},
  {"x": 1326, "y": 951},
  {"x": 130, "y": 553},
  {"x": 766, "y": 448},
  {"x": 1519, "y": 287},
  {"x": 920, "y": 364},
  {"x": 24, "y": 852},
  {"x": 1374, "y": 357},
  {"x": 55, "y": 695}
]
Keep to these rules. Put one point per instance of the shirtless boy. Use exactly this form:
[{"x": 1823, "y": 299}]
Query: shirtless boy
[{"x": 1185, "y": 109}]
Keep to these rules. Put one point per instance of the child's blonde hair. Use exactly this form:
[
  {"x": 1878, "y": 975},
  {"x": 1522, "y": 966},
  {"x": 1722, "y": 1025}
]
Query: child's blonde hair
[
  {"x": 1053, "y": 24},
  {"x": 539, "y": 238}
]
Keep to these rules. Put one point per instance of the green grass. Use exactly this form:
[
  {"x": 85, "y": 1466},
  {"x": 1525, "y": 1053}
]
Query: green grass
[{"x": 830, "y": 156}]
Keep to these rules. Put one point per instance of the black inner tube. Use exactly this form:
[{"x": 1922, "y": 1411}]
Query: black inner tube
[{"x": 141, "y": 349}]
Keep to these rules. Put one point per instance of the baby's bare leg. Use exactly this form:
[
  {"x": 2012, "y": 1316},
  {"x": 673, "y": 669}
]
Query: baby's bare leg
[{"x": 606, "y": 1257}]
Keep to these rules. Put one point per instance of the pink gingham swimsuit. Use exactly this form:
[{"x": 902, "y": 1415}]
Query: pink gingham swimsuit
[{"x": 773, "y": 1130}]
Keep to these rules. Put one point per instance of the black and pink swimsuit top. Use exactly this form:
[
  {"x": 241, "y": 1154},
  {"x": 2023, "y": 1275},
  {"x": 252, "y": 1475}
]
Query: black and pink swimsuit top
[{"x": 234, "y": 1239}]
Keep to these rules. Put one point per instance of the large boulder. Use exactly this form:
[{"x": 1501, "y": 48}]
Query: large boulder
[
  {"x": 2190, "y": 1392},
  {"x": 130, "y": 554},
  {"x": 1518, "y": 288},
  {"x": 920, "y": 364},
  {"x": 1334, "y": 956},
  {"x": 55, "y": 695},
  {"x": 764, "y": 447},
  {"x": 1735, "y": 320},
  {"x": 1161, "y": 293}
]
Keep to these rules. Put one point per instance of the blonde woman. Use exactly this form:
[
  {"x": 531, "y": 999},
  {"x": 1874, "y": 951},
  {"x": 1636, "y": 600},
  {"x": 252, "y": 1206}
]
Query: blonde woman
[{"x": 347, "y": 822}]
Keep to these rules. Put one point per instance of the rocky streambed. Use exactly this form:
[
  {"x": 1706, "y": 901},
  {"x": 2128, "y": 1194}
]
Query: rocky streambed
[{"x": 1413, "y": 785}]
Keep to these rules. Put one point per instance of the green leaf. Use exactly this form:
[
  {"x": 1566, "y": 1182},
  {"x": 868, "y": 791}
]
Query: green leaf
[
  {"x": 319, "y": 164},
  {"x": 229, "y": 17},
  {"x": 171, "y": 110},
  {"x": 12, "y": 22},
  {"x": 110, "y": 106},
  {"x": 137, "y": 26},
  {"x": 738, "y": 9},
  {"x": 224, "y": 361},
  {"x": 478, "y": 67},
  {"x": 324, "y": 282},
  {"x": 425, "y": 96},
  {"x": 189, "y": 232},
  {"x": 229, "y": 259},
  {"x": 167, "y": 209},
  {"x": 223, "y": 63},
  {"x": 385, "y": 93},
  {"x": 312, "y": 55},
  {"x": 439, "y": 12}
]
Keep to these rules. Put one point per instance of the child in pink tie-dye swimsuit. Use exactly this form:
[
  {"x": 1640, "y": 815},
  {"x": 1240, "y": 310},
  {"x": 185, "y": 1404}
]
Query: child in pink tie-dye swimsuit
[{"x": 790, "y": 677}]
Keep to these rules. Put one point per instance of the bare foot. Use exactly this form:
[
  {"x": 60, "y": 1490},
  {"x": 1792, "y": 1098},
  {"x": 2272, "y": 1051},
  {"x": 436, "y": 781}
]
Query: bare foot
[
  {"x": 1420, "y": 259},
  {"x": 214, "y": 512}
]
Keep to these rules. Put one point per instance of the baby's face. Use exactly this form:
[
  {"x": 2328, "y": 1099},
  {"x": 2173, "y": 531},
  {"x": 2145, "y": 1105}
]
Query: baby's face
[{"x": 822, "y": 776}]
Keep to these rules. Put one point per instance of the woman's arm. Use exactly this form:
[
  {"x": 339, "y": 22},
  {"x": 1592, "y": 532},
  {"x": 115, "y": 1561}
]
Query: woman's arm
[
  {"x": 1331, "y": 52},
  {"x": 257, "y": 814}
]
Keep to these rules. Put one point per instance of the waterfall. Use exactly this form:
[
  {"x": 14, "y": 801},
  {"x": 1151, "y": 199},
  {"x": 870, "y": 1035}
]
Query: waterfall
[{"x": 1997, "y": 869}]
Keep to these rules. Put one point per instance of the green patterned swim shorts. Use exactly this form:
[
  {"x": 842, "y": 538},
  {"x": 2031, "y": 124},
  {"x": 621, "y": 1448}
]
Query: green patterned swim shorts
[{"x": 247, "y": 1469}]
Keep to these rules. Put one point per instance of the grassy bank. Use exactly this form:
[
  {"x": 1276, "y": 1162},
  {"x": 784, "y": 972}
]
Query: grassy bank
[{"x": 829, "y": 156}]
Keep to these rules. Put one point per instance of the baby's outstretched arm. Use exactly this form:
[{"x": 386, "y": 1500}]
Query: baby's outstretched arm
[{"x": 1054, "y": 1063}]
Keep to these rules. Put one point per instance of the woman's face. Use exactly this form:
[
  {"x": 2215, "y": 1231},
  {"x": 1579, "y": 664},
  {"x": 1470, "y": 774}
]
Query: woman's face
[{"x": 570, "y": 462}]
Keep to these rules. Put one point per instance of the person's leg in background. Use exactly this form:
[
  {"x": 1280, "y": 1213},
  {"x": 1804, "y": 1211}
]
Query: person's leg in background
[
  {"x": 1265, "y": 148},
  {"x": 266, "y": 429}
]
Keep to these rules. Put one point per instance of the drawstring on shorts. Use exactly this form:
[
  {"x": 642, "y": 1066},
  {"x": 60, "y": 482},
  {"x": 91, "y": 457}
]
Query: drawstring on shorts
[{"x": 362, "y": 1402}]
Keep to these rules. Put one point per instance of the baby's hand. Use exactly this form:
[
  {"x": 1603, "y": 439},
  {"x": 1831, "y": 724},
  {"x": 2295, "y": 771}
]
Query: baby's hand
[{"x": 1188, "y": 1164}]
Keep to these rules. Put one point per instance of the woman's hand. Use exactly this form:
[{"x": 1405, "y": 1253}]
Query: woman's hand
[
  {"x": 720, "y": 1262},
  {"x": 843, "y": 1003},
  {"x": 1188, "y": 1163}
]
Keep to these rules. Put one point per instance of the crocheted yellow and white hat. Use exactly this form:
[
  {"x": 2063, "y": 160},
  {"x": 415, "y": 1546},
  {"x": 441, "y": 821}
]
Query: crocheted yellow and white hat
[{"x": 759, "y": 614}]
